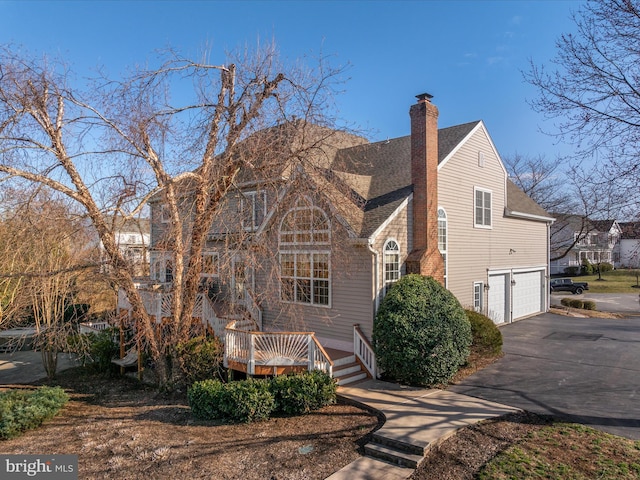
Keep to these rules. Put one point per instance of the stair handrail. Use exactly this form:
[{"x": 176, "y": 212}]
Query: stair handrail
[
  {"x": 364, "y": 350},
  {"x": 319, "y": 356}
]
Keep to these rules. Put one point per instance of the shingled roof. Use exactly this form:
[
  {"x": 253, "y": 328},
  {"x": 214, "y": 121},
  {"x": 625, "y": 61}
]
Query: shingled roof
[{"x": 379, "y": 175}]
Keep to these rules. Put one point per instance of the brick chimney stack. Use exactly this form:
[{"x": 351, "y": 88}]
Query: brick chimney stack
[{"x": 425, "y": 258}]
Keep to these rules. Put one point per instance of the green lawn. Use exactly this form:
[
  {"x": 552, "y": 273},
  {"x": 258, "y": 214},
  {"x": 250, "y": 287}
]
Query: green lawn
[
  {"x": 566, "y": 452},
  {"x": 616, "y": 281}
]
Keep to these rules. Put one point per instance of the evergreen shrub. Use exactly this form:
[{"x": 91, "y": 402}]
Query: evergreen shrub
[
  {"x": 303, "y": 393},
  {"x": 200, "y": 359},
  {"x": 588, "y": 305},
  {"x": 21, "y": 410},
  {"x": 237, "y": 402},
  {"x": 421, "y": 334},
  {"x": 487, "y": 338},
  {"x": 576, "y": 303}
]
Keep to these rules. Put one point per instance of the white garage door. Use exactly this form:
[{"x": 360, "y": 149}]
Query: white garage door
[
  {"x": 527, "y": 293},
  {"x": 497, "y": 298}
]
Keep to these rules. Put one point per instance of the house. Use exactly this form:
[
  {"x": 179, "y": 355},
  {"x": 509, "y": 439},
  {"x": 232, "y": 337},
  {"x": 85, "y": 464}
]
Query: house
[
  {"x": 628, "y": 248},
  {"x": 133, "y": 237},
  {"x": 577, "y": 239},
  {"x": 436, "y": 202}
]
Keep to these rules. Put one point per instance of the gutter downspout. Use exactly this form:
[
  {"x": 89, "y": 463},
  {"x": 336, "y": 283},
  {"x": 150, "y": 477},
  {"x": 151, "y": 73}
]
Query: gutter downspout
[{"x": 376, "y": 273}]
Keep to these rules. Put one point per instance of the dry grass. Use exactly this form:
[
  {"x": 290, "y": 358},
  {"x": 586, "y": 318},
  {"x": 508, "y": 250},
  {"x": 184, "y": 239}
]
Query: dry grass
[
  {"x": 120, "y": 429},
  {"x": 528, "y": 446}
]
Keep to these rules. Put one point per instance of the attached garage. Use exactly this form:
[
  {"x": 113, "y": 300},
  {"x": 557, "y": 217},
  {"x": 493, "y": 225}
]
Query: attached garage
[
  {"x": 515, "y": 294},
  {"x": 497, "y": 298},
  {"x": 528, "y": 293}
]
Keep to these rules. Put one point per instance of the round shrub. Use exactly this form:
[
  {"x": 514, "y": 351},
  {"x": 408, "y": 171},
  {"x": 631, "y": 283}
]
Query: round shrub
[
  {"x": 588, "y": 305},
  {"x": 586, "y": 268},
  {"x": 421, "y": 333},
  {"x": 238, "y": 402},
  {"x": 566, "y": 301},
  {"x": 605, "y": 267},
  {"x": 487, "y": 338},
  {"x": 576, "y": 303},
  {"x": 572, "y": 271},
  {"x": 200, "y": 359},
  {"x": 303, "y": 393}
]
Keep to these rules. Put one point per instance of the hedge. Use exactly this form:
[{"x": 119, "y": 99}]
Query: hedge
[
  {"x": 21, "y": 410},
  {"x": 251, "y": 400}
]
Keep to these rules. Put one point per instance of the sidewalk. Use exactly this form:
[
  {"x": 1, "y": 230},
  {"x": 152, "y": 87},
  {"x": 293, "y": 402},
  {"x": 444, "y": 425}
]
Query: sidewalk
[
  {"x": 26, "y": 366},
  {"x": 416, "y": 420}
]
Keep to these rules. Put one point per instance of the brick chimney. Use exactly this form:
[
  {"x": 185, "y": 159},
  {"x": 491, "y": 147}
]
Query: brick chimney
[{"x": 425, "y": 258}]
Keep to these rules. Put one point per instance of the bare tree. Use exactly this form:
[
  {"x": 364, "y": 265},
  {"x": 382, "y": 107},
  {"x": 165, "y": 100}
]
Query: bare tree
[
  {"x": 543, "y": 180},
  {"x": 592, "y": 92},
  {"x": 44, "y": 256},
  {"x": 181, "y": 133}
]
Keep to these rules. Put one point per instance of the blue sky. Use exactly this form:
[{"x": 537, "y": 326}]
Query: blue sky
[{"x": 468, "y": 54}]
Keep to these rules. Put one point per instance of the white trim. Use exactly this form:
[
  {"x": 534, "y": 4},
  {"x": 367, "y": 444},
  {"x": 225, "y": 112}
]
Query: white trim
[
  {"x": 479, "y": 126},
  {"x": 390, "y": 218},
  {"x": 475, "y": 207},
  {"x": 481, "y": 284},
  {"x": 250, "y": 196},
  {"x": 295, "y": 276},
  {"x": 535, "y": 268},
  {"x": 311, "y": 232},
  {"x": 527, "y": 216},
  {"x": 387, "y": 284}
]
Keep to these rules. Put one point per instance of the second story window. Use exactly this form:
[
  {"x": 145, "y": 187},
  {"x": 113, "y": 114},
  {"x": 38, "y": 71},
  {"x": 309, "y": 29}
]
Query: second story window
[
  {"x": 482, "y": 206},
  {"x": 391, "y": 264},
  {"x": 442, "y": 239},
  {"x": 253, "y": 207},
  {"x": 305, "y": 257}
]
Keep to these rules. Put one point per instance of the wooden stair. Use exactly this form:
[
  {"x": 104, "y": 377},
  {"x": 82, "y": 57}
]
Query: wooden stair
[{"x": 346, "y": 369}]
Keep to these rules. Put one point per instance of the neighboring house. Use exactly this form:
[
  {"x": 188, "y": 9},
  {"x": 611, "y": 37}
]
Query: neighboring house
[
  {"x": 133, "y": 237},
  {"x": 436, "y": 202},
  {"x": 578, "y": 239},
  {"x": 628, "y": 248}
]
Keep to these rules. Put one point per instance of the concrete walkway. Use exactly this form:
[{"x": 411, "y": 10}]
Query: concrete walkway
[
  {"x": 26, "y": 366},
  {"x": 416, "y": 420}
]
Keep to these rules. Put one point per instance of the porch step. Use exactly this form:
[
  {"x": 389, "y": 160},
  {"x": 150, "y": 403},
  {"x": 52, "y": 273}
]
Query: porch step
[
  {"x": 347, "y": 370},
  {"x": 393, "y": 455}
]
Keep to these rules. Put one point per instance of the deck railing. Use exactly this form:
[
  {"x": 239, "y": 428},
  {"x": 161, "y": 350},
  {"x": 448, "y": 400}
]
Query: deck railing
[
  {"x": 364, "y": 351},
  {"x": 274, "y": 349}
]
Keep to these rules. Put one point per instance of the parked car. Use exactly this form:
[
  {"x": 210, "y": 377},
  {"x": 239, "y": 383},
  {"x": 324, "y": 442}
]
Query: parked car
[{"x": 568, "y": 285}]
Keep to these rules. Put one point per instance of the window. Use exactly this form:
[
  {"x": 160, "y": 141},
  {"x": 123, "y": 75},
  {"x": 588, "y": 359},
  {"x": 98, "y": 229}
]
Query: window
[
  {"x": 210, "y": 265},
  {"x": 253, "y": 207},
  {"x": 165, "y": 214},
  {"x": 391, "y": 261},
  {"x": 305, "y": 277},
  {"x": 305, "y": 226},
  {"x": 478, "y": 288},
  {"x": 305, "y": 260},
  {"x": 168, "y": 271},
  {"x": 442, "y": 239},
  {"x": 482, "y": 206}
]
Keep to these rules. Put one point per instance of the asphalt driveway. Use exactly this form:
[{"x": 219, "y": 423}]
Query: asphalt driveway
[{"x": 585, "y": 370}]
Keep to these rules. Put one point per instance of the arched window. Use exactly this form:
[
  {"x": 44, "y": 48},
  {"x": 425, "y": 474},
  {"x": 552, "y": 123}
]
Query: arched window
[
  {"x": 305, "y": 257},
  {"x": 391, "y": 260},
  {"x": 442, "y": 239}
]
